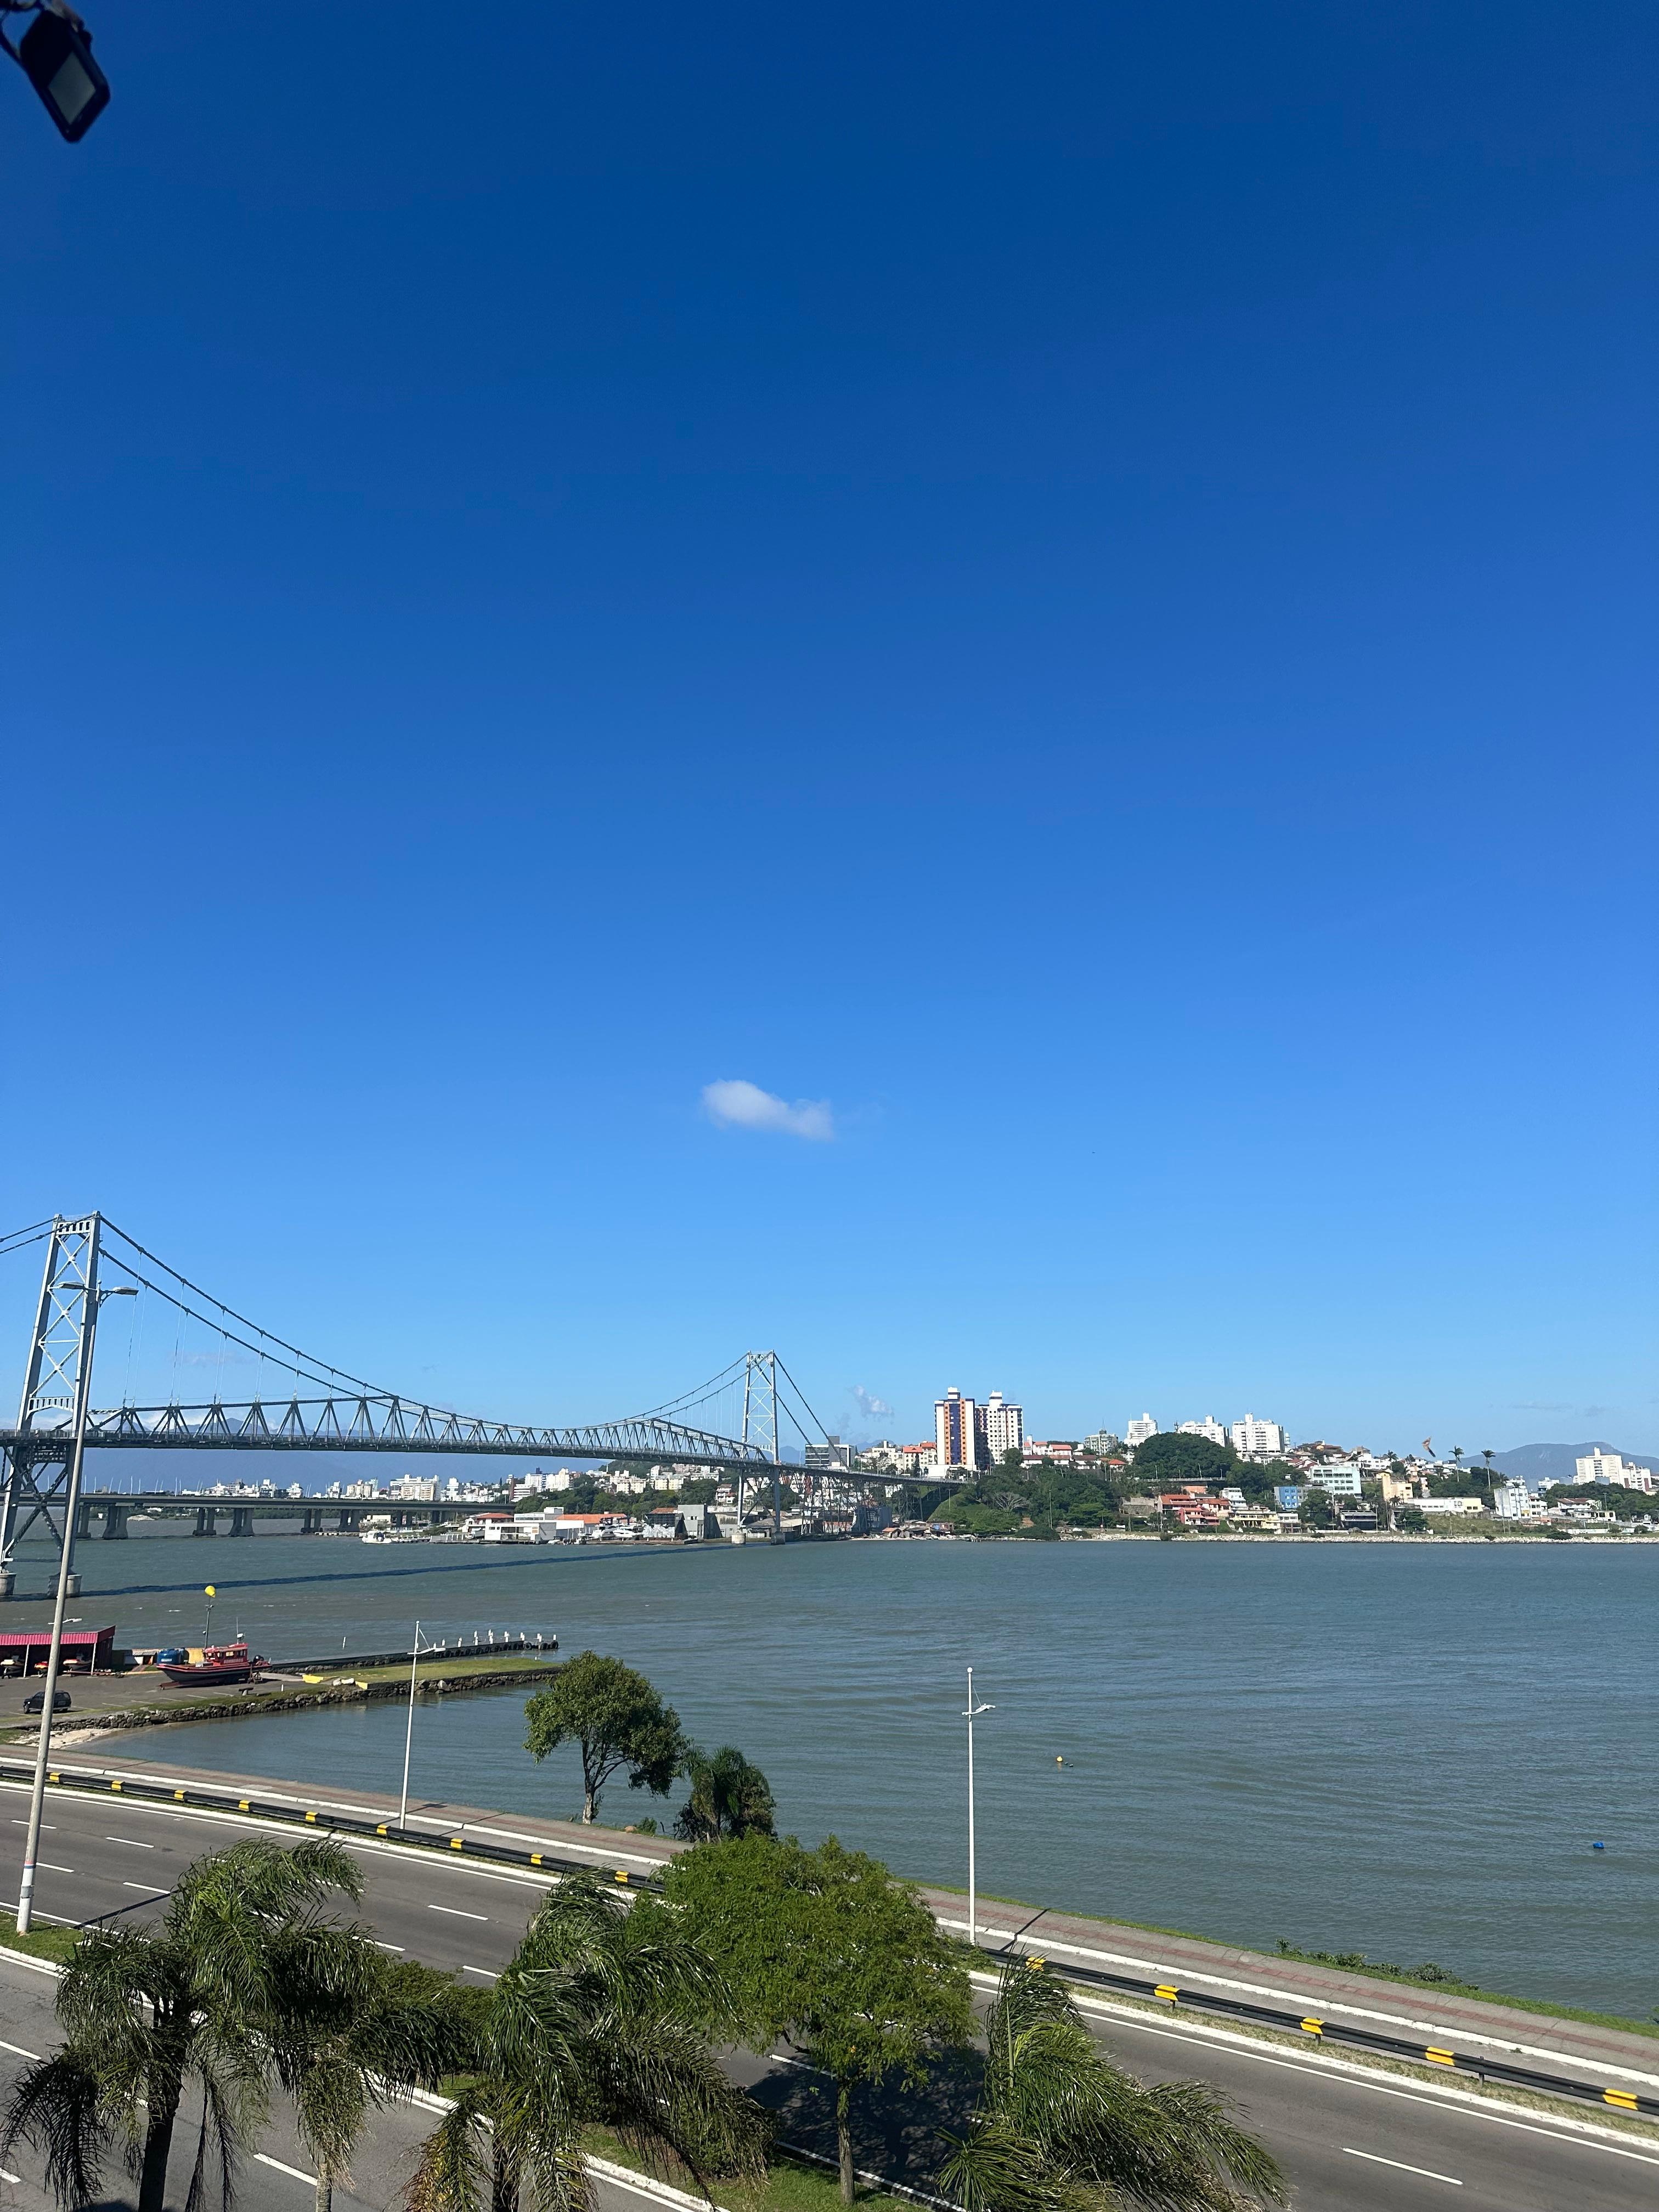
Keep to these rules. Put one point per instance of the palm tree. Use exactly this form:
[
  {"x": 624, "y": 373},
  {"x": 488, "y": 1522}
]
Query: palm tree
[
  {"x": 242, "y": 1976},
  {"x": 603, "y": 2019},
  {"x": 730, "y": 1796},
  {"x": 1059, "y": 2129},
  {"x": 385, "y": 2027}
]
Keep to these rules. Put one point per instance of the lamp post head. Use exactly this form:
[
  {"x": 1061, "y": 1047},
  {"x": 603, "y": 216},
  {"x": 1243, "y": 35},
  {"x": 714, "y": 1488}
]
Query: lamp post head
[{"x": 55, "y": 54}]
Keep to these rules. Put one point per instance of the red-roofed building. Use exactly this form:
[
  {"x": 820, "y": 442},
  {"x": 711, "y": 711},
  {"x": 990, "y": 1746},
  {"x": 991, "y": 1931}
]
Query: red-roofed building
[{"x": 86, "y": 1650}]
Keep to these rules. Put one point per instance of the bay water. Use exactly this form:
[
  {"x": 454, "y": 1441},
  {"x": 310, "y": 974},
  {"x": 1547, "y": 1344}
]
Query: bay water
[{"x": 1405, "y": 1749}]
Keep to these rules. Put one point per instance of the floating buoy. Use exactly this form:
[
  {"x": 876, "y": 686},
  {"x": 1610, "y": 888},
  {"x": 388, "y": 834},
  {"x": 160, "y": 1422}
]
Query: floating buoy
[
  {"x": 1598, "y": 1847},
  {"x": 1059, "y": 1761}
]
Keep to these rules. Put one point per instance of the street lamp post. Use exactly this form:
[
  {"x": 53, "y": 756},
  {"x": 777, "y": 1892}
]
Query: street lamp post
[
  {"x": 409, "y": 1731},
  {"x": 971, "y": 1716},
  {"x": 93, "y": 1299}
]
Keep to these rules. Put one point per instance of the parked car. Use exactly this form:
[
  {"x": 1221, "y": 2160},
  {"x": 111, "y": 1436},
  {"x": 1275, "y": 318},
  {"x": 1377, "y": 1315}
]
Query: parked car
[{"x": 37, "y": 1703}]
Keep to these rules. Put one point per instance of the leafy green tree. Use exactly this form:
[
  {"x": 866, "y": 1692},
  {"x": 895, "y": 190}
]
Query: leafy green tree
[
  {"x": 615, "y": 1718},
  {"x": 699, "y": 1490},
  {"x": 1166, "y": 1461},
  {"x": 245, "y": 1979},
  {"x": 603, "y": 2019},
  {"x": 1060, "y": 2128},
  {"x": 730, "y": 1796},
  {"x": 827, "y": 1946},
  {"x": 1316, "y": 1510}
]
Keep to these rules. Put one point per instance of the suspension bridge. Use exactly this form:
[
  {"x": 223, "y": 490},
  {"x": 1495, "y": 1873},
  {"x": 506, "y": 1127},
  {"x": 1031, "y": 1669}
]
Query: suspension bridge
[{"x": 317, "y": 1407}]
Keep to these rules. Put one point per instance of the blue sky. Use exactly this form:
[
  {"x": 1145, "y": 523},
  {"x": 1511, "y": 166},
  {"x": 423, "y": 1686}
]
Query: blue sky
[{"x": 1072, "y": 595}]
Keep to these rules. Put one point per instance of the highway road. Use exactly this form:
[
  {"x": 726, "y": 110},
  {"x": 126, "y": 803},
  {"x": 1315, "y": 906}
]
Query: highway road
[{"x": 1348, "y": 2142}]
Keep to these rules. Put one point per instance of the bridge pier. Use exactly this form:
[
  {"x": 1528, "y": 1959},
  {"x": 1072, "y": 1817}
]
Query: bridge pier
[
  {"x": 115, "y": 1523},
  {"x": 83, "y": 1519},
  {"x": 241, "y": 1521},
  {"x": 207, "y": 1523},
  {"x": 311, "y": 1521},
  {"x": 350, "y": 1517}
]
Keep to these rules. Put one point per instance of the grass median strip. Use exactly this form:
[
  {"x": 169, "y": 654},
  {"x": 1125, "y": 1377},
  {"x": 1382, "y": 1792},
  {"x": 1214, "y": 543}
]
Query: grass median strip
[
  {"x": 57, "y": 1944},
  {"x": 791, "y": 2184}
]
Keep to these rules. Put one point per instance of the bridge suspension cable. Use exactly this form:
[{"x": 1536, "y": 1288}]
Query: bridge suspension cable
[{"x": 351, "y": 1414}]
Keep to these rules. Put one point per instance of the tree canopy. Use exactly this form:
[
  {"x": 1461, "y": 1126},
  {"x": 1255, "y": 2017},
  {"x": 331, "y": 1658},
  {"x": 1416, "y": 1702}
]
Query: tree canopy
[
  {"x": 730, "y": 1796},
  {"x": 244, "y": 1979},
  {"x": 1060, "y": 2128},
  {"x": 615, "y": 1718},
  {"x": 828, "y": 1947},
  {"x": 604, "y": 2017},
  {"x": 1169, "y": 1459}
]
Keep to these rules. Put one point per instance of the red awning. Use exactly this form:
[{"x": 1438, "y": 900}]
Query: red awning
[{"x": 31, "y": 1646}]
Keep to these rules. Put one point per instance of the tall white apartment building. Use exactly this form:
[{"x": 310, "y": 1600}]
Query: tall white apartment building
[
  {"x": 1209, "y": 1426},
  {"x": 1138, "y": 1431},
  {"x": 1599, "y": 1466},
  {"x": 1004, "y": 1426},
  {"x": 958, "y": 1431},
  {"x": 1254, "y": 1440}
]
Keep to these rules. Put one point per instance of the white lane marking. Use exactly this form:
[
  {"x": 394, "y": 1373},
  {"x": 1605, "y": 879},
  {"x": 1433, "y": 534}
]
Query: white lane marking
[
  {"x": 1427, "y": 2171},
  {"x": 149, "y": 1889},
  {"x": 455, "y": 1913},
  {"x": 484, "y": 1971},
  {"x": 130, "y": 1842},
  {"x": 384, "y": 1947},
  {"x": 309, "y": 2180},
  {"x": 548, "y": 1878},
  {"x": 1338, "y": 2070},
  {"x": 47, "y": 1867},
  {"x": 782, "y": 2058},
  {"x": 15, "y": 2179},
  {"x": 17, "y": 2050},
  {"x": 47, "y": 1827}
]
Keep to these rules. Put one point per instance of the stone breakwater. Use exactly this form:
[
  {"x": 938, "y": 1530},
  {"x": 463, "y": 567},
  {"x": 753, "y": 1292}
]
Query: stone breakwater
[{"x": 260, "y": 1703}]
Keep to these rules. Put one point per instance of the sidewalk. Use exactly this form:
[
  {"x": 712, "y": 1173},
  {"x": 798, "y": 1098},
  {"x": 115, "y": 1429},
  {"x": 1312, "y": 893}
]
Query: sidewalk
[{"x": 1322, "y": 1991}]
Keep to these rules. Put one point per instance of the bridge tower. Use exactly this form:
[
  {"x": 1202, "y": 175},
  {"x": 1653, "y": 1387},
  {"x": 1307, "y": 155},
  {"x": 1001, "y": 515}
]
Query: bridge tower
[
  {"x": 58, "y": 1375},
  {"x": 760, "y": 1425}
]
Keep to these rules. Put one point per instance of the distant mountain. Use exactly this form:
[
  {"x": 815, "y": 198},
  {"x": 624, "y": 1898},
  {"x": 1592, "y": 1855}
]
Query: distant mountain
[{"x": 1537, "y": 1464}]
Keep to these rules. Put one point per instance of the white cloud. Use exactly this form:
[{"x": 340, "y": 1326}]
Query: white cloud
[
  {"x": 747, "y": 1106},
  {"x": 871, "y": 1407}
]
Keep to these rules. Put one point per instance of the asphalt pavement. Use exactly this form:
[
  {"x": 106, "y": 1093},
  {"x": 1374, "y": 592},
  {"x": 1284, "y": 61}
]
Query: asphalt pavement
[{"x": 1349, "y": 2140}]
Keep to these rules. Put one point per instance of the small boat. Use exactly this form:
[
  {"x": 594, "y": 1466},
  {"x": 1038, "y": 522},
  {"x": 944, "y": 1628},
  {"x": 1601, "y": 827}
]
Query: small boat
[
  {"x": 217, "y": 1663},
  {"x": 383, "y": 1535}
]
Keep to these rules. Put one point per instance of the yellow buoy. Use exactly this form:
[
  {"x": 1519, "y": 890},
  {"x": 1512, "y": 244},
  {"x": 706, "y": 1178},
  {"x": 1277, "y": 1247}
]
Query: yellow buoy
[{"x": 1059, "y": 1761}]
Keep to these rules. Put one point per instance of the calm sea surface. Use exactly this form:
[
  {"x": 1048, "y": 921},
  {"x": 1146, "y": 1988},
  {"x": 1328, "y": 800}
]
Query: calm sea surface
[{"x": 1404, "y": 1750}]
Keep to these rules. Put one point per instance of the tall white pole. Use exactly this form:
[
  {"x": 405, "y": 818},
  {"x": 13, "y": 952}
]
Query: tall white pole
[{"x": 409, "y": 1733}]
